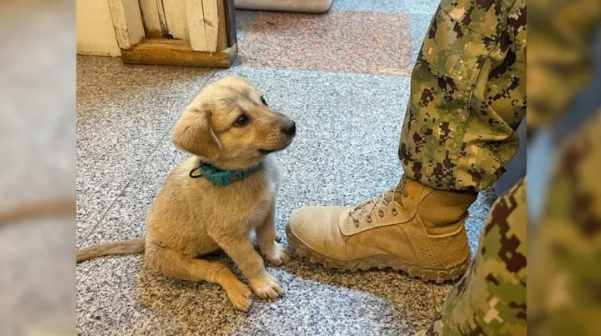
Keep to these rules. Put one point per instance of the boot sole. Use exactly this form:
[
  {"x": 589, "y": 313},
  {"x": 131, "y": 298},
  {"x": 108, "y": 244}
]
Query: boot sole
[{"x": 380, "y": 262}]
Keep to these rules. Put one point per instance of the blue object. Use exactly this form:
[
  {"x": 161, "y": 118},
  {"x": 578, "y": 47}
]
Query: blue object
[{"x": 223, "y": 177}]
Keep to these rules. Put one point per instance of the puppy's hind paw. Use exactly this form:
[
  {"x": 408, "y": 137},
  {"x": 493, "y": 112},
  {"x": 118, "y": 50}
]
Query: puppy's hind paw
[
  {"x": 278, "y": 255},
  {"x": 240, "y": 296}
]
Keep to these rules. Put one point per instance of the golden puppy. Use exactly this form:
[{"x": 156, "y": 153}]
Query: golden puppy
[{"x": 229, "y": 126}]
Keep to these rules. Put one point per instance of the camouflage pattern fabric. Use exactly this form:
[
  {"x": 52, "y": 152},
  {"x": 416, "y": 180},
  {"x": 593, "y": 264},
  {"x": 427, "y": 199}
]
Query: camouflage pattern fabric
[
  {"x": 559, "y": 62},
  {"x": 490, "y": 299},
  {"x": 564, "y": 294},
  {"x": 468, "y": 95}
]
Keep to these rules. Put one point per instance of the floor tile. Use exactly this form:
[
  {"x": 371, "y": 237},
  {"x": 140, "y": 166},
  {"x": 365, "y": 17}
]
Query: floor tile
[
  {"x": 244, "y": 18},
  {"x": 419, "y": 24},
  {"x": 421, "y": 6},
  {"x": 390, "y": 6},
  {"x": 339, "y": 41},
  {"x": 126, "y": 218},
  {"x": 478, "y": 213}
]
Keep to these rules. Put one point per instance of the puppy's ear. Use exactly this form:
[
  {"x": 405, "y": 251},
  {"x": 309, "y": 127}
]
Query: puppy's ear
[{"x": 193, "y": 134}]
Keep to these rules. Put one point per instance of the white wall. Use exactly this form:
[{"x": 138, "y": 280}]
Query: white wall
[{"x": 95, "y": 33}]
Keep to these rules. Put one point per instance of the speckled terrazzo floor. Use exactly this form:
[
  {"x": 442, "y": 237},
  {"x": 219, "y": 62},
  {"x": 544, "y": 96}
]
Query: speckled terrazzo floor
[
  {"x": 341, "y": 41},
  {"x": 125, "y": 115}
]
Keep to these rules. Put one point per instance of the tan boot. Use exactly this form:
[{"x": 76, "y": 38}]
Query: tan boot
[{"x": 413, "y": 228}]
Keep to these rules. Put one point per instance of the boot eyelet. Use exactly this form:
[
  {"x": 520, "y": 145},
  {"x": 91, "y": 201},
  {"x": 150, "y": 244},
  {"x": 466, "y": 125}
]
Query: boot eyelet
[
  {"x": 356, "y": 221},
  {"x": 381, "y": 213},
  {"x": 405, "y": 193},
  {"x": 368, "y": 218},
  {"x": 394, "y": 212}
]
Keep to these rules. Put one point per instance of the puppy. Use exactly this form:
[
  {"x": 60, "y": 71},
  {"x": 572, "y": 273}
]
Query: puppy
[{"x": 228, "y": 126}]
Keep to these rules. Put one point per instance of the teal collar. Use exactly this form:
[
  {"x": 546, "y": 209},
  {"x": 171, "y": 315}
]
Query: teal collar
[{"x": 222, "y": 177}]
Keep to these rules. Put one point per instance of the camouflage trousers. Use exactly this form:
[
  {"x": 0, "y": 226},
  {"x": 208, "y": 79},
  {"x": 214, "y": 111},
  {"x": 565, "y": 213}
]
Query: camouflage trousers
[{"x": 468, "y": 96}]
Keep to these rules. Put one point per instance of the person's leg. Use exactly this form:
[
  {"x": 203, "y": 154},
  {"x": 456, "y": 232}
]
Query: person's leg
[
  {"x": 468, "y": 95},
  {"x": 467, "y": 98},
  {"x": 491, "y": 298},
  {"x": 565, "y": 243}
]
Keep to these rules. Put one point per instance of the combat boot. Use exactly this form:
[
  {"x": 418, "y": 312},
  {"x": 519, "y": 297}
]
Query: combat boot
[{"x": 413, "y": 228}]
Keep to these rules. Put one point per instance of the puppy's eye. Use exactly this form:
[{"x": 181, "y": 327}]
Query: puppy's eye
[
  {"x": 242, "y": 120},
  {"x": 263, "y": 100}
]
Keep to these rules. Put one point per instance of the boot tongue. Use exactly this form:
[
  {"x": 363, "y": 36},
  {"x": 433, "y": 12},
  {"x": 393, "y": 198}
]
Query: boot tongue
[
  {"x": 388, "y": 196},
  {"x": 397, "y": 196}
]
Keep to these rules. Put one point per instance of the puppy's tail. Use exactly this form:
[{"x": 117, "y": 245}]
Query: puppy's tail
[
  {"x": 125, "y": 247},
  {"x": 38, "y": 209}
]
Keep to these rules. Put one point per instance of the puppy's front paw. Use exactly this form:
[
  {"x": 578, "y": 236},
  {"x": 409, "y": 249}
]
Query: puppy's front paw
[
  {"x": 266, "y": 286},
  {"x": 277, "y": 255},
  {"x": 240, "y": 296}
]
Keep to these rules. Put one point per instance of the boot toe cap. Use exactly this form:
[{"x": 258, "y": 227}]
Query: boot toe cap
[{"x": 317, "y": 229}]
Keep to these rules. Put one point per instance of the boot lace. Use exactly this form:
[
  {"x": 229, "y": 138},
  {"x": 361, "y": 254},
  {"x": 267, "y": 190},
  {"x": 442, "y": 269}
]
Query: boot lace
[{"x": 379, "y": 203}]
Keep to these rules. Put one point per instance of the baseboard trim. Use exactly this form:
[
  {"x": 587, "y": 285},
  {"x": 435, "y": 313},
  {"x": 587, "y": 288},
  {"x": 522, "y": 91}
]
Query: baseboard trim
[{"x": 178, "y": 53}]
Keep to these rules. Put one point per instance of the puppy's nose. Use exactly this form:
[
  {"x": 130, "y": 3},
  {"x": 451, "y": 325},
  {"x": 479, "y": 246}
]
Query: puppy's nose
[{"x": 290, "y": 128}]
